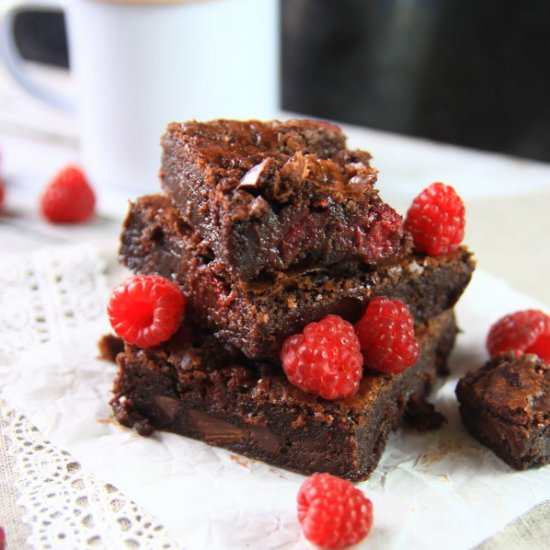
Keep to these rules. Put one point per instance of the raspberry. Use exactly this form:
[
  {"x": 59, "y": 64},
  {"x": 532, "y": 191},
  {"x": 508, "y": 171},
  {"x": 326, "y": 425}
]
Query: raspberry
[
  {"x": 525, "y": 331},
  {"x": 386, "y": 334},
  {"x": 146, "y": 310},
  {"x": 436, "y": 220},
  {"x": 332, "y": 512},
  {"x": 325, "y": 359},
  {"x": 68, "y": 198},
  {"x": 2, "y": 538}
]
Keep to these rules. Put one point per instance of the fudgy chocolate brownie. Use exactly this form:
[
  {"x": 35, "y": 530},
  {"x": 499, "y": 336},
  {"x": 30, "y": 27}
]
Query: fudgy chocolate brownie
[
  {"x": 506, "y": 406},
  {"x": 266, "y": 196},
  {"x": 192, "y": 387},
  {"x": 256, "y": 317}
]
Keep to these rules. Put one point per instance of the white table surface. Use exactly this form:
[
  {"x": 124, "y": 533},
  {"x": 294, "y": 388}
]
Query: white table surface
[{"x": 507, "y": 199}]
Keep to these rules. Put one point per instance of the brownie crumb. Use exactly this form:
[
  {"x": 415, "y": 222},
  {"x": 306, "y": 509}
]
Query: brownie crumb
[
  {"x": 109, "y": 347},
  {"x": 127, "y": 415},
  {"x": 423, "y": 416}
]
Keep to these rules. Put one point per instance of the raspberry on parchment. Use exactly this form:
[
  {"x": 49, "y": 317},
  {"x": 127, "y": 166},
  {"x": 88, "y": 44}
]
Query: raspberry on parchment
[{"x": 333, "y": 513}]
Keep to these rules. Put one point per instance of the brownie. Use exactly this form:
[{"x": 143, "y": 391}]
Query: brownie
[
  {"x": 266, "y": 196},
  {"x": 256, "y": 316},
  {"x": 192, "y": 387},
  {"x": 109, "y": 346},
  {"x": 506, "y": 406}
]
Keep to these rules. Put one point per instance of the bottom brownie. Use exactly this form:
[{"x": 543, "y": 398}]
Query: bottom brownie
[
  {"x": 191, "y": 387},
  {"x": 506, "y": 406}
]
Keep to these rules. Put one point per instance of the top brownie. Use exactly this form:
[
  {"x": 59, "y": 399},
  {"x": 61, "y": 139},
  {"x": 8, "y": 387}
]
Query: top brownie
[{"x": 266, "y": 196}]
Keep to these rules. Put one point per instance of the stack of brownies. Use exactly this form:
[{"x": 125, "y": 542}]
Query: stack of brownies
[{"x": 266, "y": 227}]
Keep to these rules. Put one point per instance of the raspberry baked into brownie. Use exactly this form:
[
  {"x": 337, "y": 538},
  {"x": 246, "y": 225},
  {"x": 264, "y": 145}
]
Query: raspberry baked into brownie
[{"x": 287, "y": 258}]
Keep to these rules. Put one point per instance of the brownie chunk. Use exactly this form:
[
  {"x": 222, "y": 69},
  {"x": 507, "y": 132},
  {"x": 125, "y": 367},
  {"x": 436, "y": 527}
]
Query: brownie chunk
[
  {"x": 257, "y": 316},
  {"x": 109, "y": 347},
  {"x": 266, "y": 196},
  {"x": 192, "y": 387},
  {"x": 506, "y": 406}
]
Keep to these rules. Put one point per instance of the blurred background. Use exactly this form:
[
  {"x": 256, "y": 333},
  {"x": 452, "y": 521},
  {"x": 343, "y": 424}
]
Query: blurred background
[{"x": 467, "y": 72}]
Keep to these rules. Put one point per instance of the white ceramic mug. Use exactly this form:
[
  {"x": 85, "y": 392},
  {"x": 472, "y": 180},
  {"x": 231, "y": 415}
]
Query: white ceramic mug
[{"x": 138, "y": 64}]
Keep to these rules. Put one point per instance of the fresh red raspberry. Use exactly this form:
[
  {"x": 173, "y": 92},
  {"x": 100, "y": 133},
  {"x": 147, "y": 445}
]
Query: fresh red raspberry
[
  {"x": 68, "y": 198},
  {"x": 325, "y": 359},
  {"x": 525, "y": 331},
  {"x": 386, "y": 334},
  {"x": 2, "y": 538},
  {"x": 146, "y": 310},
  {"x": 436, "y": 220},
  {"x": 332, "y": 512}
]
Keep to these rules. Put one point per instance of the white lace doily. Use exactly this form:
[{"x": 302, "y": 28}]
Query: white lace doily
[
  {"x": 66, "y": 506},
  {"x": 45, "y": 296}
]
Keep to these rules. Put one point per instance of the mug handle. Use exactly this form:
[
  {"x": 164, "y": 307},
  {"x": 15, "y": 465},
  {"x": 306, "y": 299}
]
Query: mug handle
[{"x": 9, "y": 9}]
